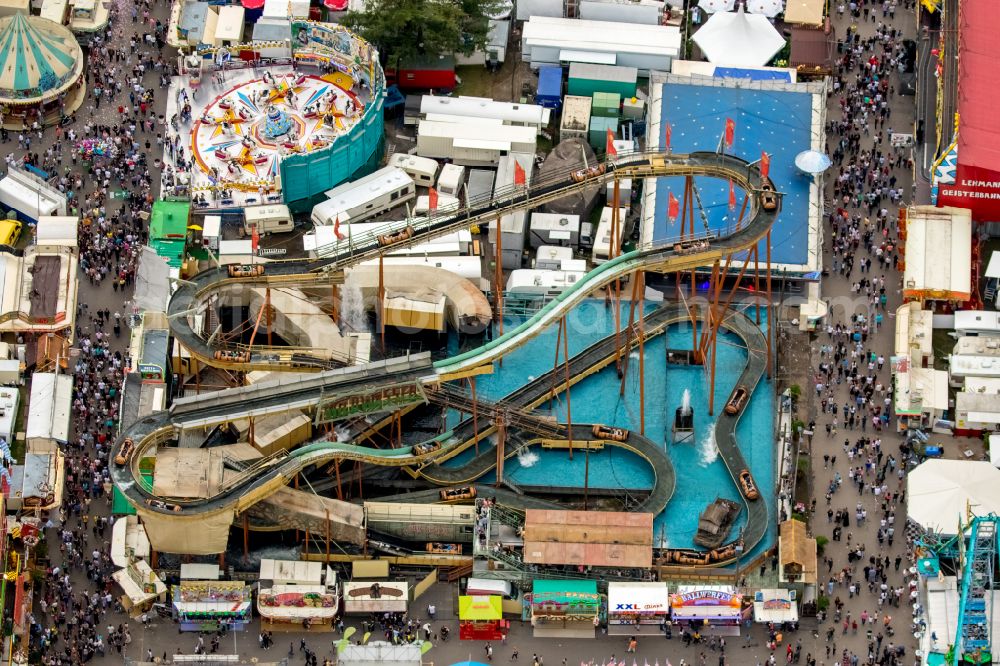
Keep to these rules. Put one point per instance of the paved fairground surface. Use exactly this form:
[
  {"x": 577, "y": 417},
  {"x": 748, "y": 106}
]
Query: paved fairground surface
[{"x": 861, "y": 550}]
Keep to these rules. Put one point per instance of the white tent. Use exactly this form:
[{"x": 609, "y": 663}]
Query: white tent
[
  {"x": 739, "y": 39},
  {"x": 940, "y": 491}
]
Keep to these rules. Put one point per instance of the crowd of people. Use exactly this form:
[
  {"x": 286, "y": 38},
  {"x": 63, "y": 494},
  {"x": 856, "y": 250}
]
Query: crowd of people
[{"x": 852, "y": 381}]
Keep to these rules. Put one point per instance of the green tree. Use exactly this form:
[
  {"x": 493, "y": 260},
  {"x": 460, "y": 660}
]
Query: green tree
[{"x": 407, "y": 29}]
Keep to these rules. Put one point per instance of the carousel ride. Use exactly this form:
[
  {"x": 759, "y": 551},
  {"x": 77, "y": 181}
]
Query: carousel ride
[{"x": 242, "y": 135}]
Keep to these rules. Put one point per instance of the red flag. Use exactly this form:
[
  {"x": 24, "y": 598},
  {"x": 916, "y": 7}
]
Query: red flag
[
  {"x": 673, "y": 207},
  {"x": 432, "y": 199},
  {"x": 732, "y": 195},
  {"x": 254, "y": 239},
  {"x": 520, "y": 177},
  {"x": 667, "y": 133},
  {"x": 765, "y": 164},
  {"x": 336, "y": 229},
  {"x": 610, "y": 147},
  {"x": 730, "y": 132}
]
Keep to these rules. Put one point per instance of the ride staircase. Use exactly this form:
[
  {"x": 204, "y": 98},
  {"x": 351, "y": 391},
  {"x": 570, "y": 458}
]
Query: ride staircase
[{"x": 975, "y": 616}]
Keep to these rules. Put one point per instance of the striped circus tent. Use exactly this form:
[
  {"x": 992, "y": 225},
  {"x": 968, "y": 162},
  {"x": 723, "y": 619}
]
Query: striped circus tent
[{"x": 38, "y": 59}]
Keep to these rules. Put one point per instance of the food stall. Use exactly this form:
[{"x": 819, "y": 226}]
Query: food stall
[
  {"x": 309, "y": 605},
  {"x": 706, "y": 605},
  {"x": 366, "y": 597},
  {"x": 565, "y": 608},
  {"x": 637, "y": 604},
  {"x": 210, "y": 605},
  {"x": 480, "y": 618},
  {"x": 775, "y": 605},
  {"x": 301, "y": 593}
]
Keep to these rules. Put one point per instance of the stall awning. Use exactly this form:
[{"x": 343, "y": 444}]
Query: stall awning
[
  {"x": 477, "y": 608},
  {"x": 797, "y": 552},
  {"x": 705, "y": 602},
  {"x": 775, "y": 605},
  {"x": 635, "y": 598}
]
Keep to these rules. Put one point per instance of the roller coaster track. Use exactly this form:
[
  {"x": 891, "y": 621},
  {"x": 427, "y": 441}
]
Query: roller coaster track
[
  {"x": 268, "y": 475},
  {"x": 193, "y": 296}
]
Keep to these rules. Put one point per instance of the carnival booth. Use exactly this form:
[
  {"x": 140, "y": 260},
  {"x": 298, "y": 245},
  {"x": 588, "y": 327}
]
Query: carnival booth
[
  {"x": 365, "y": 597},
  {"x": 210, "y": 605},
  {"x": 480, "y": 618},
  {"x": 775, "y": 605},
  {"x": 301, "y": 593},
  {"x": 631, "y": 606},
  {"x": 699, "y": 606},
  {"x": 565, "y": 608}
]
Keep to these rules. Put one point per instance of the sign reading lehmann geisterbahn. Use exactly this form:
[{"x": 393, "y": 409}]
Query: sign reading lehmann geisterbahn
[{"x": 377, "y": 400}]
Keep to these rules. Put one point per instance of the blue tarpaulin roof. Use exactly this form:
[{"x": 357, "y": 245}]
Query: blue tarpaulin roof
[{"x": 752, "y": 74}]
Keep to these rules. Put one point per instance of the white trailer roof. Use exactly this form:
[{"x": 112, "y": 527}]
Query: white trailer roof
[
  {"x": 483, "y": 107},
  {"x": 468, "y": 132},
  {"x": 600, "y": 37},
  {"x": 938, "y": 253},
  {"x": 56, "y": 230},
  {"x": 230, "y": 24},
  {"x": 49, "y": 407}
]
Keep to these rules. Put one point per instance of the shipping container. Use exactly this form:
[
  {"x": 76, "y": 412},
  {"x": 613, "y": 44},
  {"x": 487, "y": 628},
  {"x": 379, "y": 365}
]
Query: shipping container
[
  {"x": 549, "y": 93},
  {"x": 513, "y": 228},
  {"x": 585, "y": 79},
  {"x": 528, "y": 282},
  {"x": 606, "y": 105},
  {"x": 427, "y": 73},
  {"x": 480, "y": 185},
  {"x": 575, "y": 118},
  {"x": 633, "y": 108},
  {"x": 554, "y": 229},
  {"x": 495, "y": 53},
  {"x": 599, "y": 132},
  {"x": 527, "y": 9}
]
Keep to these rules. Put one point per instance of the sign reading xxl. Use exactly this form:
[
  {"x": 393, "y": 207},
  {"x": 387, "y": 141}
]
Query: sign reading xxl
[{"x": 384, "y": 399}]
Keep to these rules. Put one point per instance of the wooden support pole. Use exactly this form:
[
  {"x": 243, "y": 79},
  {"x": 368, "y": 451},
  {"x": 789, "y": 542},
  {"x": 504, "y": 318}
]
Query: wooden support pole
[
  {"x": 336, "y": 471},
  {"x": 633, "y": 302},
  {"x": 381, "y": 298},
  {"x": 251, "y": 431},
  {"x": 306, "y": 549},
  {"x": 555, "y": 363},
  {"x": 501, "y": 448},
  {"x": 569, "y": 405},
  {"x": 267, "y": 316},
  {"x": 756, "y": 281},
  {"x": 246, "y": 535},
  {"x": 475, "y": 413},
  {"x": 358, "y": 467},
  {"x": 327, "y": 534},
  {"x": 770, "y": 310},
  {"x": 642, "y": 357}
]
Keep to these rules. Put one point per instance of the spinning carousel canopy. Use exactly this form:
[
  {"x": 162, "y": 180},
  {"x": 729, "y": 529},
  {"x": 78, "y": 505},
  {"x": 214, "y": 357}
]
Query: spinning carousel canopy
[{"x": 38, "y": 58}]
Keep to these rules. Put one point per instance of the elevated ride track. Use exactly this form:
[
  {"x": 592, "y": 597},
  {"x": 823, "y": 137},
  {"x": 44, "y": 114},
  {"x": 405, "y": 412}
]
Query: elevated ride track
[
  {"x": 196, "y": 295},
  {"x": 270, "y": 474}
]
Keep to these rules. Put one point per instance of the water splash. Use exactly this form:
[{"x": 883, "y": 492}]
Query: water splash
[
  {"x": 686, "y": 402},
  {"x": 526, "y": 457},
  {"x": 352, "y": 308},
  {"x": 341, "y": 433},
  {"x": 708, "y": 452}
]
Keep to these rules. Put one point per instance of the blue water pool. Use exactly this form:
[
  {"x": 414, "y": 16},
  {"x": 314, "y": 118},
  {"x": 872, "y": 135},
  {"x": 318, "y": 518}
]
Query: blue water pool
[{"x": 701, "y": 476}]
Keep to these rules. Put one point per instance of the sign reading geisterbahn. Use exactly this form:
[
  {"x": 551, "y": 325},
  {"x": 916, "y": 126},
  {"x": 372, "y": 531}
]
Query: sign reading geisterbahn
[{"x": 369, "y": 402}]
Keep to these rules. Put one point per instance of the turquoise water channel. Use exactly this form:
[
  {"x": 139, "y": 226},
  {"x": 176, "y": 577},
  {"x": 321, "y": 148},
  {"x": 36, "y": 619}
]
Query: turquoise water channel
[{"x": 701, "y": 475}]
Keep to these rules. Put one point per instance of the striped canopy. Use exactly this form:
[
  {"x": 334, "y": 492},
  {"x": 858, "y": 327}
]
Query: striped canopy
[{"x": 38, "y": 58}]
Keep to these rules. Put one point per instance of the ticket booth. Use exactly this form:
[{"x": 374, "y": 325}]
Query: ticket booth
[{"x": 480, "y": 618}]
